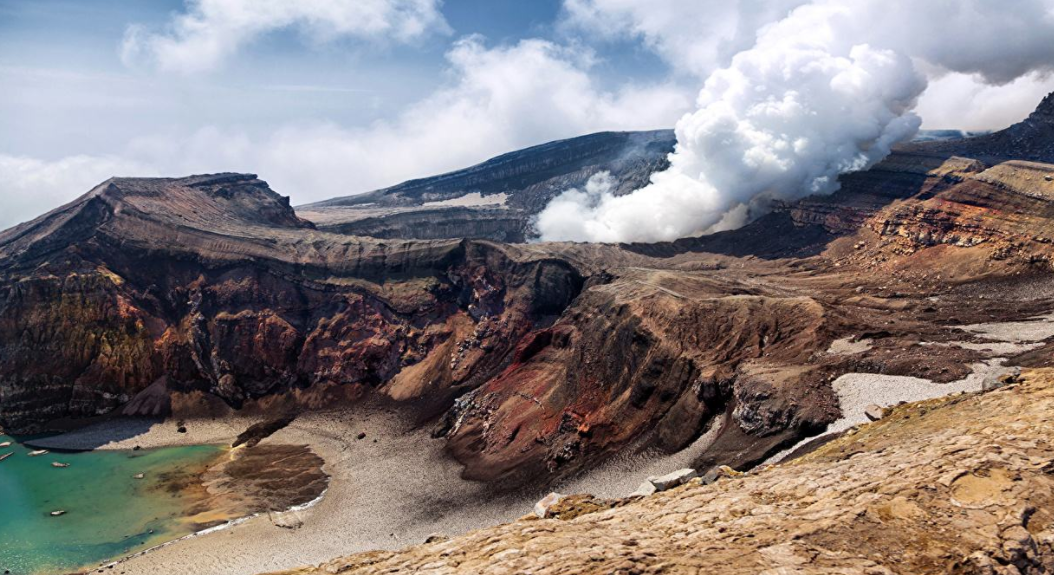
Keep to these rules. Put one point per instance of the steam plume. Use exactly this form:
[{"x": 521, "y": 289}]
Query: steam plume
[{"x": 825, "y": 91}]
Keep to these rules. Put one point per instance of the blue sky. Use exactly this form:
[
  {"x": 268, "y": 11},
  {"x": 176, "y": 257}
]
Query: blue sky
[
  {"x": 334, "y": 97},
  {"x": 61, "y": 61},
  {"x": 63, "y": 57}
]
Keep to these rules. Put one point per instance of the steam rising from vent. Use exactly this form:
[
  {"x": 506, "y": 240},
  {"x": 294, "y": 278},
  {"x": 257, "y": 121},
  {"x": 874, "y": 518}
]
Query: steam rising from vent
[{"x": 826, "y": 91}]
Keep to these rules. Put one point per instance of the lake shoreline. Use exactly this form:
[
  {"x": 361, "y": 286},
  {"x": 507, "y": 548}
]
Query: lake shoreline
[
  {"x": 396, "y": 485},
  {"x": 73, "y": 508},
  {"x": 214, "y": 529},
  {"x": 391, "y": 485},
  {"x": 190, "y": 498}
]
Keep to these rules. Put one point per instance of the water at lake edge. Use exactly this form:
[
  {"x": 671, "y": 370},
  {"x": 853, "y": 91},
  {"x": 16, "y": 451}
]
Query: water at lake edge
[{"x": 109, "y": 513}]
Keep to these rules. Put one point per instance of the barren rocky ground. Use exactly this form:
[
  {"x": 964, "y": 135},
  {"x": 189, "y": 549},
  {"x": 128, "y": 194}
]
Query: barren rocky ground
[
  {"x": 210, "y": 296},
  {"x": 961, "y": 484}
]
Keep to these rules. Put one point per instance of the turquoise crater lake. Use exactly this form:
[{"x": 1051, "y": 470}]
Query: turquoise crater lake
[{"x": 109, "y": 513}]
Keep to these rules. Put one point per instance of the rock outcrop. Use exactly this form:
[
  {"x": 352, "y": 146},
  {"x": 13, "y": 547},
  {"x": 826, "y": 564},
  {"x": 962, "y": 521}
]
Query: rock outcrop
[{"x": 963, "y": 484}]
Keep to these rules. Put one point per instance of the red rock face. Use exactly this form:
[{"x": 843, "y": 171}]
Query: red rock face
[{"x": 238, "y": 333}]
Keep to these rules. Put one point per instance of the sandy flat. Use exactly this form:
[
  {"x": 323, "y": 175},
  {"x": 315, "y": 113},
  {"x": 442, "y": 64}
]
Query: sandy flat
[{"x": 392, "y": 489}]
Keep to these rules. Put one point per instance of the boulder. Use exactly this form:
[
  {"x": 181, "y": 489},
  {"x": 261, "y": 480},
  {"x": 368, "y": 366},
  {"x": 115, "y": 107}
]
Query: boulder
[
  {"x": 1001, "y": 377},
  {"x": 718, "y": 472},
  {"x": 286, "y": 520},
  {"x": 670, "y": 480},
  {"x": 541, "y": 509},
  {"x": 874, "y": 412},
  {"x": 644, "y": 490}
]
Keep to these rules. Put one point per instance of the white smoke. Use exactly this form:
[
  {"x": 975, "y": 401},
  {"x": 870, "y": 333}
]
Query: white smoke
[
  {"x": 826, "y": 91},
  {"x": 563, "y": 216}
]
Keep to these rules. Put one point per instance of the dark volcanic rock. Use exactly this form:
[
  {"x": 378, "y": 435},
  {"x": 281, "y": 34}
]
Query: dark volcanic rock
[
  {"x": 554, "y": 166},
  {"x": 257, "y": 432}
]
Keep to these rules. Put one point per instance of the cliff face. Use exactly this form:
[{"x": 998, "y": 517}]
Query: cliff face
[
  {"x": 497, "y": 224},
  {"x": 961, "y": 485},
  {"x": 214, "y": 284}
]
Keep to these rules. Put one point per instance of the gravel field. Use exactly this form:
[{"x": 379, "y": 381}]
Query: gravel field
[{"x": 391, "y": 489}]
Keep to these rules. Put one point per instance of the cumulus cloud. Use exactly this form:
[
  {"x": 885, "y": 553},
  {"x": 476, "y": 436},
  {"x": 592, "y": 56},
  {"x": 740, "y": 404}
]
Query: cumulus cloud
[
  {"x": 825, "y": 91},
  {"x": 699, "y": 36},
  {"x": 694, "y": 36},
  {"x": 210, "y": 31},
  {"x": 497, "y": 99},
  {"x": 503, "y": 98}
]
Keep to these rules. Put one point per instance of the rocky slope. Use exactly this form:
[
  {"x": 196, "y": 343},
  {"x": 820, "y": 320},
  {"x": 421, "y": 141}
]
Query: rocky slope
[
  {"x": 1031, "y": 139},
  {"x": 509, "y": 189},
  {"x": 961, "y": 485}
]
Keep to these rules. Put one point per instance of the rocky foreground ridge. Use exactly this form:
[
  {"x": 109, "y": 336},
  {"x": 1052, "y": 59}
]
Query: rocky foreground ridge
[{"x": 961, "y": 485}]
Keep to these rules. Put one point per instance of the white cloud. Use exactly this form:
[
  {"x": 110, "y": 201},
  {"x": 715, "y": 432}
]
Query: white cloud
[
  {"x": 694, "y": 36},
  {"x": 210, "y": 31},
  {"x": 498, "y": 99},
  {"x": 964, "y": 102},
  {"x": 988, "y": 47}
]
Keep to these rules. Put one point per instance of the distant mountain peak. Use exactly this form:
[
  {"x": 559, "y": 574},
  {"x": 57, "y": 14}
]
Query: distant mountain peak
[
  {"x": 1045, "y": 110},
  {"x": 1030, "y": 139},
  {"x": 210, "y": 204}
]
